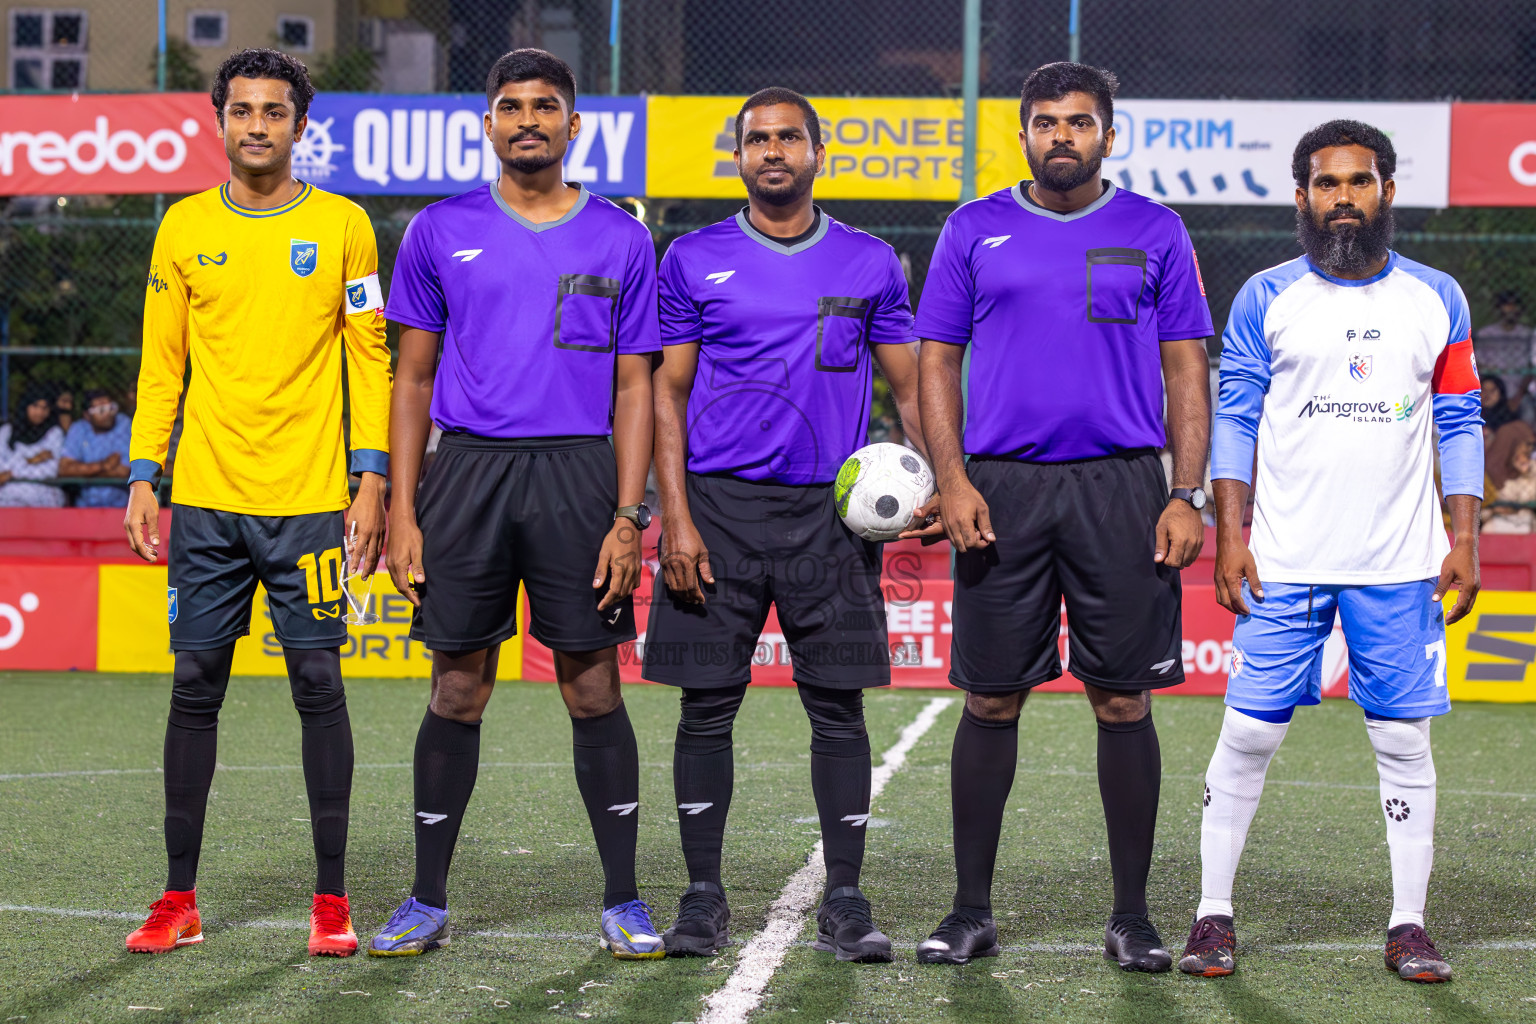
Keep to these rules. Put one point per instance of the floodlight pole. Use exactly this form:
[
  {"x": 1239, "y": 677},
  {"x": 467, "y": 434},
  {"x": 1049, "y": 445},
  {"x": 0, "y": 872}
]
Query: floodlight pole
[
  {"x": 970, "y": 88},
  {"x": 1074, "y": 32},
  {"x": 615, "y": 19}
]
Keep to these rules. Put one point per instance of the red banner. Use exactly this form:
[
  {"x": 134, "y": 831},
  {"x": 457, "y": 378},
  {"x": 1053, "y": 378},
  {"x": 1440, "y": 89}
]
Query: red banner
[
  {"x": 109, "y": 142},
  {"x": 48, "y": 614},
  {"x": 1493, "y": 154}
]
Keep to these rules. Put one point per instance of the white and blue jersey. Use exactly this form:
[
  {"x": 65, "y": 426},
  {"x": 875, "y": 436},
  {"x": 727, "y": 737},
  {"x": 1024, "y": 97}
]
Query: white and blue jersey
[{"x": 1332, "y": 392}]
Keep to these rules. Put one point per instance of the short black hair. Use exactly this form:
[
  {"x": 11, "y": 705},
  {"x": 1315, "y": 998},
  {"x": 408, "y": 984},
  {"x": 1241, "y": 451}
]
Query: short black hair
[
  {"x": 263, "y": 62},
  {"x": 1342, "y": 133},
  {"x": 1507, "y": 297},
  {"x": 772, "y": 97},
  {"x": 1053, "y": 81},
  {"x": 93, "y": 394},
  {"x": 527, "y": 65}
]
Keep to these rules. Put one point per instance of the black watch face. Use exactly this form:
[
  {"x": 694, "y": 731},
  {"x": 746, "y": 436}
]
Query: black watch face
[{"x": 643, "y": 515}]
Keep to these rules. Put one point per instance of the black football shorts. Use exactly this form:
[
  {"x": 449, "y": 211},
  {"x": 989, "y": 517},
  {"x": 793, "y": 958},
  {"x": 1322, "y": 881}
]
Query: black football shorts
[
  {"x": 1083, "y": 532},
  {"x": 216, "y": 559},
  {"x": 494, "y": 512},
  {"x": 772, "y": 545}
]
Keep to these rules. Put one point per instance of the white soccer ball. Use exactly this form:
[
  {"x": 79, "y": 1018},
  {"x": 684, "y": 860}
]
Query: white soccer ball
[{"x": 879, "y": 488}]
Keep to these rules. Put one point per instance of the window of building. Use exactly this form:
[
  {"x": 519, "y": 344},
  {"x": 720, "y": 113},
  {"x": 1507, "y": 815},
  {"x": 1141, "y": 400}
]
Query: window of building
[
  {"x": 47, "y": 49},
  {"x": 295, "y": 32},
  {"x": 208, "y": 28}
]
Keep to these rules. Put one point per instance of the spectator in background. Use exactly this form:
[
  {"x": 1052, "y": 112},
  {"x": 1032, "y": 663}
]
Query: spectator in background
[
  {"x": 1511, "y": 478},
  {"x": 1508, "y": 347},
  {"x": 64, "y": 406},
  {"x": 97, "y": 446},
  {"x": 29, "y": 451},
  {"x": 1496, "y": 410}
]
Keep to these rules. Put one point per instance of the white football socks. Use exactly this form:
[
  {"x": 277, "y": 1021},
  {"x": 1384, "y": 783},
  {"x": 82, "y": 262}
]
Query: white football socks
[
  {"x": 1233, "y": 784},
  {"x": 1407, "y": 770}
]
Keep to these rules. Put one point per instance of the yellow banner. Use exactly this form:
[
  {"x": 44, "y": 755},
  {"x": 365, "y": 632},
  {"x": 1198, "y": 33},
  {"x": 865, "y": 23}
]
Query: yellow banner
[
  {"x": 133, "y": 634},
  {"x": 1490, "y": 651},
  {"x": 876, "y": 148}
]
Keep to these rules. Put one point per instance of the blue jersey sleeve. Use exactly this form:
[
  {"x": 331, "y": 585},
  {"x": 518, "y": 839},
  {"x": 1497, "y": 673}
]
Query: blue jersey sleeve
[
  {"x": 638, "y": 331},
  {"x": 415, "y": 291},
  {"x": 1457, "y": 402},
  {"x": 947, "y": 309},
  {"x": 681, "y": 322},
  {"x": 1182, "y": 312},
  {"x": 1245, "y": 374},
  {"x": 892, "y": 320}
]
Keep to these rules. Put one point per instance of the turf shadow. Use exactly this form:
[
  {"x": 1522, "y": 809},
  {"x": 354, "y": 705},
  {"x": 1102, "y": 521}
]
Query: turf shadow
[{"x": 1247, "y": 1005}]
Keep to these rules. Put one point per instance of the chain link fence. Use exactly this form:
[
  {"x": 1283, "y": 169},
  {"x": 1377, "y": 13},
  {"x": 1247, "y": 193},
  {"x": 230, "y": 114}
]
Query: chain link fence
[{"x": 72, "y": 268}]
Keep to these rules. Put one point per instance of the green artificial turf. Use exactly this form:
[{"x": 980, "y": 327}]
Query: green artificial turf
[{"x": 1312, "y": 896}]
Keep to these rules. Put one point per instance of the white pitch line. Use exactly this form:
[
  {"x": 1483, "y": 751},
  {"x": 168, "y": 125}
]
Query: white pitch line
[{"x": 734, "y": 1001}]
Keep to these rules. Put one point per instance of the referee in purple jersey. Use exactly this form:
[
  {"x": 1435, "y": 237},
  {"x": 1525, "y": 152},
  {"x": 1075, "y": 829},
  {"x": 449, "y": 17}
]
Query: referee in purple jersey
[{"x": 1079, "y": 302}]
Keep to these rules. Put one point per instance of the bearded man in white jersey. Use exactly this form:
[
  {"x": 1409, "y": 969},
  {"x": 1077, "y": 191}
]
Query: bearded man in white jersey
[{"x": 1335, "y": 368}]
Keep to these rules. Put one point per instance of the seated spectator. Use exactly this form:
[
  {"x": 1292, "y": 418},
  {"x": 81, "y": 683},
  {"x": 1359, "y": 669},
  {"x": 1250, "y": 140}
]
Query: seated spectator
[
  {"x": 64, "y": 406},
  {"x": 29, "y": 450},
  {"x": 97, "y": 446},
  {"x": 1496, "y": 410},
  {"x": 1511, "y": 478}
]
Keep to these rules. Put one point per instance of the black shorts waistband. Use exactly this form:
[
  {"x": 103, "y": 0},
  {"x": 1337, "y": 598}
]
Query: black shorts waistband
[
  {"x": 1129, "y": 455},
  {"x": 765, "y": 487},
  {"x": 475, "y": 442}
]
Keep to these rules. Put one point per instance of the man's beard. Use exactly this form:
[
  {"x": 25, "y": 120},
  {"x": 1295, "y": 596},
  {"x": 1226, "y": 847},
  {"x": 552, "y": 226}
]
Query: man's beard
[
  {"x": 1349, "y": 249},
  {"x": 780, "y": 195},
  {"x": 530, "y": 163},
  {"x": 1068, "y": 177}
]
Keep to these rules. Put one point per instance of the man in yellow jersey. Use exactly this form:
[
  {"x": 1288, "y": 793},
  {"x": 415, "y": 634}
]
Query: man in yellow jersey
[{"x": 270, "y": 286}]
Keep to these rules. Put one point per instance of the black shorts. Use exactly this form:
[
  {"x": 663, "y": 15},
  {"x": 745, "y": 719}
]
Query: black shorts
[
  {"x": 217, "y": 558},
  {"x": 1081, "y": 531},
  {"x": 494, "y": 512},
  {"x": 780, "y": 545}
]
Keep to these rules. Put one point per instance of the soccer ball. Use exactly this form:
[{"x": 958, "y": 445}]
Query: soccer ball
[{"x": 879, "y": 488}]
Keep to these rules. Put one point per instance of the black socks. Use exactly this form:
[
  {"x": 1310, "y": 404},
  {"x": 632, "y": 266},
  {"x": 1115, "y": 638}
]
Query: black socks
[
  {"x": 315, "y": 676},
  {"x": 981, "y": 771},
  {"x": 1130, "y": 778},
  {"x": 447, "y": 762},
  {"x": 608, "y": 775}
]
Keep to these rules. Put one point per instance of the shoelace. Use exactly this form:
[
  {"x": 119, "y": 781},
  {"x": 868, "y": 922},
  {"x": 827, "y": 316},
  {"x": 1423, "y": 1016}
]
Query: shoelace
[
  {"x": 1418, "y": 942},
  {"x": 638, "y": 908},
  {"x": 956, "y": 924},
  {"x": 850, "y": 910},
  {"x": 330, "y": 916},
  {"x": 1207, "y": 936},
  {"x": 1139, "y": 928},
  {"x": 163, "y": 912},
  {"x": 401, "y": 915},
  {"x": 697, "y": 906}
]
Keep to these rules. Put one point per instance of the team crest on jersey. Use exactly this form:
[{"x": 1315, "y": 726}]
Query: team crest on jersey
[
  {"x": 302, "y": 256},
  {"x": 170, "y": 604},
  {"x": 1360, "y": 366}
]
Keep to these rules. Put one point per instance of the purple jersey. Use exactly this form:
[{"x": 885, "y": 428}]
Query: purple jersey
[
  {"x": 532, "y": 315},
  {"x": 1064, "y": 314},
  {"x": 782, "y": 391}
]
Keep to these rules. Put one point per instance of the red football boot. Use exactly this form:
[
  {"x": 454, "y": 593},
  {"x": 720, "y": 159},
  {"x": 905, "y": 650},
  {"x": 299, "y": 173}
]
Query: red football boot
[
  {"x": 173, "y": 921},
  {"x": 330, "y": 927}
]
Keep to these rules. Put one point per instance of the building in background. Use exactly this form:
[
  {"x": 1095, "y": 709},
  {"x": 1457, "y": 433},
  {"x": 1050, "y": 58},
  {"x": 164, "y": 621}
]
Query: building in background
[{"x": 109, "y": 45}]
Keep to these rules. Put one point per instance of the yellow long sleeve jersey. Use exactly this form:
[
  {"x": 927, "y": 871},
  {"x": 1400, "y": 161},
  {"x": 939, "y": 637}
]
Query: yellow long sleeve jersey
[{"x": 269, "y": 305}]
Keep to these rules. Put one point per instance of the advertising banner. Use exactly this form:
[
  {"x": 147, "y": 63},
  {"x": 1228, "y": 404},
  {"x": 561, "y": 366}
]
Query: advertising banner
[
  {"x": 47, "y": 614},
  {"x": 356, "y": 144},
  {"x": 134, "y": 634},
  {"x": 1174, "y": 151},
  {"x": 1493, "y": 154},
  {"x": 435, "y": 145},
  {"x": 1239, "y": 151},
  {"x": 92, "y": 143}
]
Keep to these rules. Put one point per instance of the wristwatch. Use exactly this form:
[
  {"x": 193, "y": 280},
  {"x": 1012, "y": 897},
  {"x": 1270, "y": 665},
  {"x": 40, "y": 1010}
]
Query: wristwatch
[
  {"x": 639, "y": 514},
  {"x": 1194, "y": 495}
]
